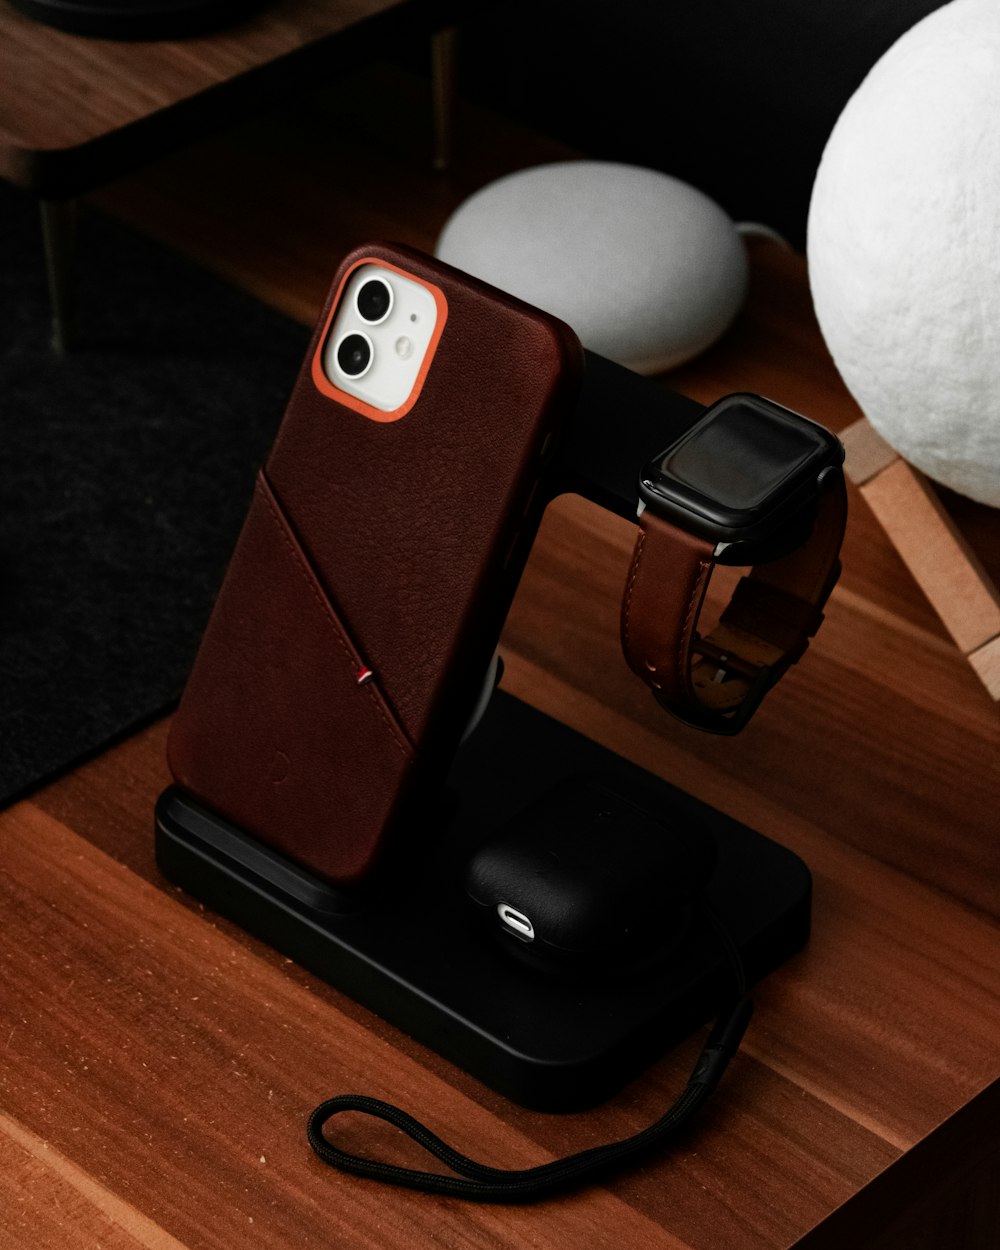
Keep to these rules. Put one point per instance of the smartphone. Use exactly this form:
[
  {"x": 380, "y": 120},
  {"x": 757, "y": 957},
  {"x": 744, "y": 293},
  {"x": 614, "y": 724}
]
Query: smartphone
[{"x": 377, "y": 563}]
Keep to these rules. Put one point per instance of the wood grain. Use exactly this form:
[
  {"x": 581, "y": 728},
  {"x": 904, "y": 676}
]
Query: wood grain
[
  {"x": 49, "y": 1201},
  {"x": 202, "y": 1063},
  {"x": 937, "y": 555},
  {"x": 170, "y": 1060},
  {"x": 867, "y": 452},
  {"x": 75, "y": 111},
  {"x": 930, "y": 541},
  {"x": 985, "y": 661}
]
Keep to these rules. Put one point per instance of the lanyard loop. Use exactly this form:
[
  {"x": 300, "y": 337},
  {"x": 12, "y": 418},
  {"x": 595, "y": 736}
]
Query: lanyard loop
[{"x": 477, "y": 1182}]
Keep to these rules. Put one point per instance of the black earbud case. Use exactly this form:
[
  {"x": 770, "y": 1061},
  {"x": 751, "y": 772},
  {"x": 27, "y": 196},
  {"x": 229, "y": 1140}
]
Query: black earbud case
[{"x": 587, "y": 883}]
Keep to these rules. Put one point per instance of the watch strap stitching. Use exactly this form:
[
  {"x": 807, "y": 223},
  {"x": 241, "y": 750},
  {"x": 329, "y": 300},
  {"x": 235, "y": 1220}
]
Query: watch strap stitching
[
  {"x": 687, "y": 638},
  {"x": 633, "y": 573},
  {"x": 666, "y": 666}
]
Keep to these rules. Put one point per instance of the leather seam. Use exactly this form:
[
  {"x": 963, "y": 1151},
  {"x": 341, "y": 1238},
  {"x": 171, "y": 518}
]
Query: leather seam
[
  {"x": 403, "y": 746},
  {"x": 684, "y": 651},
  {"x": 633, "y": 575}
]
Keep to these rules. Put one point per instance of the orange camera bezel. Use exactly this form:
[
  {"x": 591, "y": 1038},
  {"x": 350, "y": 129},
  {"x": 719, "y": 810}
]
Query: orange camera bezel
[{"x": 327, "y": 387}]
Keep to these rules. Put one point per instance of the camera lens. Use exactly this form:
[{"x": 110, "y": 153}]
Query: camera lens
[
  {"x": 354, "y": 355},
  {"x": 374, "y": 300}
]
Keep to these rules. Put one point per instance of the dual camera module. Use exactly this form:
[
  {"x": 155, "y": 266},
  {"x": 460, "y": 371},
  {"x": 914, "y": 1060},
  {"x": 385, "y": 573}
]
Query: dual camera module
[
  {"x": 382, "y": 329},
  {"x": 373, "y": 304}
]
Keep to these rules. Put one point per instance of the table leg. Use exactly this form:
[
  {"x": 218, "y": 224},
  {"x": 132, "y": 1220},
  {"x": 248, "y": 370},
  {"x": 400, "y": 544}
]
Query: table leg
[
  {"x": 444, "y": 46},
  {"x": 59, "y": 237}
]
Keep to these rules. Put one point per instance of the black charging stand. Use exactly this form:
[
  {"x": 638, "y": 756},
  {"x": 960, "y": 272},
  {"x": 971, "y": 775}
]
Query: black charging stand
[{"x": 410, "y": 951}]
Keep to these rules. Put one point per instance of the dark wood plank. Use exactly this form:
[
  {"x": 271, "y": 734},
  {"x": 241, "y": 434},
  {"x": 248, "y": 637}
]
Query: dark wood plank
[
  {"x": 272, "y": 206},
  {"x": 837, "y": 1076},
  {"x": 48, "y": 1202},
  {"x": 165, "y": 1060},
  {"x": 75, "y": 111}
]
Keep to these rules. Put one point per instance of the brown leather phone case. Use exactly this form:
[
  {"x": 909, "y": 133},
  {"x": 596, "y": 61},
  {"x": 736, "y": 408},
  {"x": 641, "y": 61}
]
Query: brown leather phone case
[{"x": 371, "y": 581}]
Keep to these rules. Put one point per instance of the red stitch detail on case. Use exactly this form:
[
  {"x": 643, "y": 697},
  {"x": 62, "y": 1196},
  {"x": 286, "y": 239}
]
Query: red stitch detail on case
[{"x": 264, "y": 492}]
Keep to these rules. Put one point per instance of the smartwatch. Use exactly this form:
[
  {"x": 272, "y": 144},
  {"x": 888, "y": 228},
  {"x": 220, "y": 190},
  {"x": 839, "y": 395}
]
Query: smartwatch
[{"x": 750, "y": 484}]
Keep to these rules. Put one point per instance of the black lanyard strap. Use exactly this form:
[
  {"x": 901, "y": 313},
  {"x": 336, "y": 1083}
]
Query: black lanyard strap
[{"x": 477, "y": 1182}]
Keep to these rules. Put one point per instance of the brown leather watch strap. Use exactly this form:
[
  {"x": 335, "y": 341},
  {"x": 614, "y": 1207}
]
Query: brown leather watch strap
[{"x": 716, "y": 681}]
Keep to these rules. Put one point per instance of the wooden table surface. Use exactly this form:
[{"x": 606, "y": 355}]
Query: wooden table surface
[
  {"x": 75, "y": 111},
  {"x": 157, "y": 1066}
]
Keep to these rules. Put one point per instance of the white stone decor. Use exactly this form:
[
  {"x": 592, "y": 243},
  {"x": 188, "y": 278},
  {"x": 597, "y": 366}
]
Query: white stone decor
[{"x": 904, "y": 246}]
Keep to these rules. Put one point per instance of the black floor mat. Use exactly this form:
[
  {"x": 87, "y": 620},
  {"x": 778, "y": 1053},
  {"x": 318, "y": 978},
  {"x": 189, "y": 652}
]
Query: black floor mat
[{"x": 125, "y": 470}]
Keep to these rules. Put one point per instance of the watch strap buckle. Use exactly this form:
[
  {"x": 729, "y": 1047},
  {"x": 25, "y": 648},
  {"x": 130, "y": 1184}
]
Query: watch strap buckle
[
  {"x": 728, "y": 663},
  {"x": 761, "y": 633},
  {"x": 727, "y": 686}
]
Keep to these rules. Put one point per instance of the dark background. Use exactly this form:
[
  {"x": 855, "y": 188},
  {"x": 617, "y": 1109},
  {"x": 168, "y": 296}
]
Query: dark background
[{"x": 735, "y": 96}]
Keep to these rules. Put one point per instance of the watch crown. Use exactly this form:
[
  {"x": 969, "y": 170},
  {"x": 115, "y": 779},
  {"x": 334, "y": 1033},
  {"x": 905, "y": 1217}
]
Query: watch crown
[{"x": 827, "y": 479}]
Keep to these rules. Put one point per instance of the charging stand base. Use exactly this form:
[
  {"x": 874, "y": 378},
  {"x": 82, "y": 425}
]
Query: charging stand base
[{"x": 411, "y": 953}]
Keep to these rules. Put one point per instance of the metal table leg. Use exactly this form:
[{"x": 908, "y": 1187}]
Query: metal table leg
[
  {"x": 444, "y": 50},
  {"x": 59, "y": 237}
]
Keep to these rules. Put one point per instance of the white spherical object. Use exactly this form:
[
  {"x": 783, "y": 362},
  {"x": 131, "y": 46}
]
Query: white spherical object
[
  {"x": 904, "y": 246},
  {"x": 646, "y": 269}
]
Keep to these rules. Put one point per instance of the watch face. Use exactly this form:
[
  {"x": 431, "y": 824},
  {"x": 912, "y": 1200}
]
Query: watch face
[{"x": 741, "y": 470}]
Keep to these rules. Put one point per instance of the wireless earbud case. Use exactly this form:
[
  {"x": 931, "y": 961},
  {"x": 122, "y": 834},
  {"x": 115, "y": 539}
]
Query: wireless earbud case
[{"x": 586, "y": 883}]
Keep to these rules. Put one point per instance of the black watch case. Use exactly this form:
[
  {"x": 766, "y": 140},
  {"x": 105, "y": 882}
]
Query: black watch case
[{"x": 744, "y": 472}]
